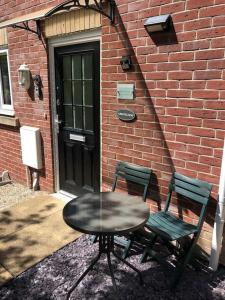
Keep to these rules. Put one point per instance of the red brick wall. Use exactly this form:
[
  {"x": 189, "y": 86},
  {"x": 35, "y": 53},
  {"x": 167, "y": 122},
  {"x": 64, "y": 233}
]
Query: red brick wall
[
  {"x": 25, "y": 47},
  {"x": 180, "y": 93}
]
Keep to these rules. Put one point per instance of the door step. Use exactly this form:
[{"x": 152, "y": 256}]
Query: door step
[{"x": 63, "y": 195}]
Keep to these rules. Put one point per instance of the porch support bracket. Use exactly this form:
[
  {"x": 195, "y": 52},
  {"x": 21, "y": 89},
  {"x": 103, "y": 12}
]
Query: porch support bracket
[
  {"x": 96, "y": 5},
  {"x": 26, "y": 26}
]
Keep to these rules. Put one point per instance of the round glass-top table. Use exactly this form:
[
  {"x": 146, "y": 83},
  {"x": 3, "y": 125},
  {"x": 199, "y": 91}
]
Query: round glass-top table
[{"x": 105, "y": 215}]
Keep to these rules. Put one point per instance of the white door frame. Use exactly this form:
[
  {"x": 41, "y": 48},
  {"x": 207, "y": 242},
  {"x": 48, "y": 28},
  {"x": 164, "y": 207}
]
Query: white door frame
[{"x": 72, "y": 39}]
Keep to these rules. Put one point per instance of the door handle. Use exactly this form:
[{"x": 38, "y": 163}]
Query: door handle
[{"x": 59, "y": 122}]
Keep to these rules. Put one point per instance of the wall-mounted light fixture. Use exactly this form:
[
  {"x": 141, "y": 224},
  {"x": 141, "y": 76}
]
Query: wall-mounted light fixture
[
  {"x": 158, "y": 23},
  {"x": 37, "y": 86},
  {"x": 126, "y": 63},
  {"x": 24, "y": 76}
]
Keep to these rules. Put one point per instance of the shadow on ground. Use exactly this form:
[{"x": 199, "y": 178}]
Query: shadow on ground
[{"x": 51, "y": 279}]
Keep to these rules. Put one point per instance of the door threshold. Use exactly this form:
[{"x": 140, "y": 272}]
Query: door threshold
[{"x": 63, "y": 195}]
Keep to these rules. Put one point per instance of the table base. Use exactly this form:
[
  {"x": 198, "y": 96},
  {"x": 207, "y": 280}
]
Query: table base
[{"x": 106, "y": 246}]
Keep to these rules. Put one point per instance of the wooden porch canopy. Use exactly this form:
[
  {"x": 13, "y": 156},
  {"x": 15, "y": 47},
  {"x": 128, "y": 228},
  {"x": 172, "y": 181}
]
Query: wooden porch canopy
[{"x": 96, "y": 5}]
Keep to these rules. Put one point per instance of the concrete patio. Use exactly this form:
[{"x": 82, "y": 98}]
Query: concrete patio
[{"x": 30, "y": 231}]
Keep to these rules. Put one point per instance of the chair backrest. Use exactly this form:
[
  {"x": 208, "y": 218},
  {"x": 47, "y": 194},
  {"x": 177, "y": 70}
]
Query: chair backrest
[
  {"x": 133, "y": 173},
  {"x": 193, "y": 189}
]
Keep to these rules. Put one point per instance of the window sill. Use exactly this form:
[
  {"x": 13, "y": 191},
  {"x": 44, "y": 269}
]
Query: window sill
[
  {"x": 9, "y": 121},
  {"x": 7, "y": 112}
]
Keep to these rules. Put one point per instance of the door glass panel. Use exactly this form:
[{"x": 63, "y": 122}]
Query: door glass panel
[
  {"x": 78, "y": 117},
  {"x": 76, "y": 67},
  {"x": 87, "y": 66},
  {"x": 88, "y": 92},
  {"x": 78, "y": 92},
  {"x": 67, "y": 92},
  {"x": 68, "y": 115},
  {"x": 88, "y": 112},
  {"x": 66, "y": 67}
]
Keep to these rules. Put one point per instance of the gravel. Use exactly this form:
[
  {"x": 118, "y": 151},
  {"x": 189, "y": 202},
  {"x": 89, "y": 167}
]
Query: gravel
[
  {"x": 52, "y": 278},
  {"x": 13, "y": 193}
]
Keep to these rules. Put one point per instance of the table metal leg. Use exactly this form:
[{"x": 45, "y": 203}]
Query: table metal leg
[
  {"x": 106, "y": 245},
  {"x": 83, "y": 275},
  {"x": 129, "y": 265},
  {"x": 112, "y": 275}
]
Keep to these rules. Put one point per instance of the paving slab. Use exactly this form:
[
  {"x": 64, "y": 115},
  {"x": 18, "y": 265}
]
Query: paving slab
[
  {"x": 32, "y": 211},
  {"x": 4, "y": 275},
  {"x": 30, "y": 231}
]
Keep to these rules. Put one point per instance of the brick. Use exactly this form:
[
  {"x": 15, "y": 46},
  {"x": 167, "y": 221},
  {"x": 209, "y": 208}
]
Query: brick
[
  {"x": 219, "y": 20},
  {"x": 202, "y": 132},
  {"x": 198, "y": 3},
  {"x": 197, "y": 24},
  {"x": 172, "y": 8},
  {"x": 166, "y": 102},
  {"x": 216, "y": 84},
  {"x": 194, "y": 65},
  {"x": 190, "y": 103},
  {"x": 148, "y": 67},
  {"x": 181, "y": 93},
  {"x": 156, "y": 75},
  {"x": 217, "y": 124},
  {"x": 176, "y": 146},
  {"x": 136, "y": 6},
  {"x": 212, "y": 143},
  {"x": 198, "y": 167},
  {"x": 211, "y": 161},
  {"x": 177, "y": 111},
  {"x": 196, "y": 45},
  {"x": 184, "y": 16},
  {"x": 212, "y": 104},
  {"x": 176, "y": 128},
  {"x": 189, "y": 121},
  {"x": 187, "y": 156},
  {"x": 203, "y": 113},
  {"x": 210, "y": 32},
  {"x": 189, "y": 139},
  {"x": 186, "y": 36},
  {"x": 180, "y": 75},
  {"x": 170, "y": 48},
  {"x": 209, "y": 54},
  {"x": 205, "y": 94},
  {"x": 212, "y": 74},
  {"x": 212, "y": 11},
  {"x": 168, "y": 66},
  {"x": 158, "y": 2},
  {"x": 157, "y": 58},
  {"x": 193, "y": 84},
  {"x": 221, "y": 115},
  {"x": 182, "y": 56},
  {"x": 167, "y": 84}
]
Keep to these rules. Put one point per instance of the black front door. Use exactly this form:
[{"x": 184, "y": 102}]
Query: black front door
[{"x": 78, "y": 112}]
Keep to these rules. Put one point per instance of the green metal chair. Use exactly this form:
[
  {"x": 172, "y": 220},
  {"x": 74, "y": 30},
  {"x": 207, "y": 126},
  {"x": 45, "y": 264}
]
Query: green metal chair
[
  {"x": 170, "y": 228},
  {"x": 133, "y": 174}
]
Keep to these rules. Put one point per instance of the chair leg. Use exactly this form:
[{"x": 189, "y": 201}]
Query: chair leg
[
  {"x": 127, "y": 248},
  {"x": 180, "y": 269},
  {"x": 148, "y": 249},
  {"x": 94, "y": 238}
]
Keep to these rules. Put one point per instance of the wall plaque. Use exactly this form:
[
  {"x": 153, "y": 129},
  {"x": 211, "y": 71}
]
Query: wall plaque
[
  {"x": 126, "y": 115},
  {"x": 125, "y": 91}
]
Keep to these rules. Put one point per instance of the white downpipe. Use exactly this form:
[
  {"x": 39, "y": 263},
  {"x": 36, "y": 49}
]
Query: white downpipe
[{"x": 219, "y": 219}]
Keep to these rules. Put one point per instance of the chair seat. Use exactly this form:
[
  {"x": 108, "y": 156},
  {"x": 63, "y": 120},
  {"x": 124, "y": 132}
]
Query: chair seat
[{"x": 169, "y": 227}]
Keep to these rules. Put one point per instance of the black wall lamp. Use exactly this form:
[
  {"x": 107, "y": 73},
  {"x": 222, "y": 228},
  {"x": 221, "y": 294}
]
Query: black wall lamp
[
  {"x": 158, "y": 23},
  {"x": 37, "y": 86},
  {"x": 126, "y": 63}
]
